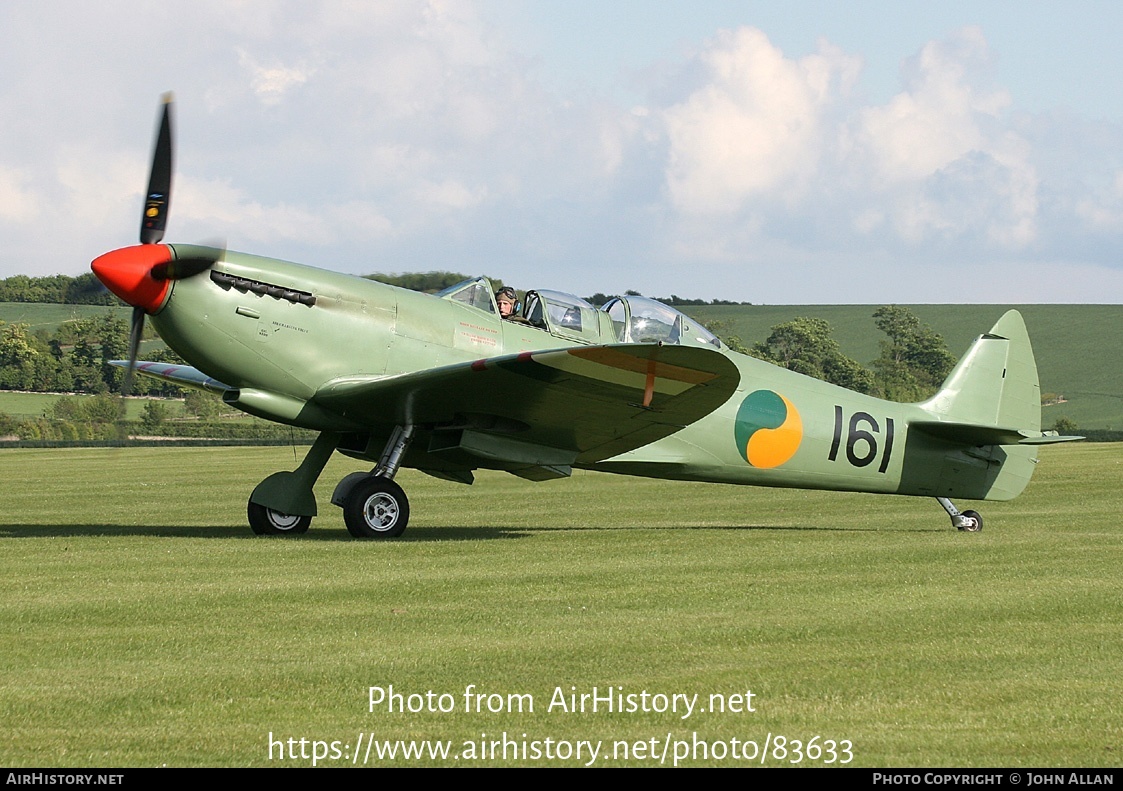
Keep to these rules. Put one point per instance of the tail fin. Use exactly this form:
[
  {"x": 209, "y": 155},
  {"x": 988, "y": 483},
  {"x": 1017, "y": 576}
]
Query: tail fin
[
  {"x": 994, "y": 386},
  {"x": 987, "y": 416}
]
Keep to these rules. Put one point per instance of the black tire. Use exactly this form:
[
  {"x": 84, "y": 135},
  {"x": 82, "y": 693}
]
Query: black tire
[
  {"x": 376, "y": 507},
  {"x": 974, "y": 522},
  {"x": 267, "y": 522}
]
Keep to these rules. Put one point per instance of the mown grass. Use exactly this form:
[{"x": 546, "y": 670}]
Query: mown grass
[{"x": 144, "y": 625}]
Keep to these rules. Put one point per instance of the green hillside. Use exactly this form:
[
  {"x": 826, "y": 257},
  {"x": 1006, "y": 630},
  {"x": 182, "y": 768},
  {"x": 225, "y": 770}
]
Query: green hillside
[
  {"x": 1078, "y": 347},
  {"x": 48, "y": 316}
]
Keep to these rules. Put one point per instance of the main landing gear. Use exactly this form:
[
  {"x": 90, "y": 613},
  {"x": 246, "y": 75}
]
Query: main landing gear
[
  {"x": 967, "y": 521},
  {"x": 374, "y": 506}
]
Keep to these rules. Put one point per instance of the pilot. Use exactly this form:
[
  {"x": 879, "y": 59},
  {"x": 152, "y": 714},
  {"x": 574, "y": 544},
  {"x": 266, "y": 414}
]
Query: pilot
[{"x": 507, "y": 300}]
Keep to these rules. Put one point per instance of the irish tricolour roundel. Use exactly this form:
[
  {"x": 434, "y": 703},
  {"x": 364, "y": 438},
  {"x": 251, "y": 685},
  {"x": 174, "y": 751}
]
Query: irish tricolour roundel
[{"x": 768, "y": 429}]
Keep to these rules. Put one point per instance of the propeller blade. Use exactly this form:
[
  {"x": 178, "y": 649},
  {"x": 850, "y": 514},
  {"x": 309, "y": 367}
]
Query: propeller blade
[
  {"x": 135, "y": 331},
  {"x": 158, "y": 197},
  {"x": 182, "y": 268}
]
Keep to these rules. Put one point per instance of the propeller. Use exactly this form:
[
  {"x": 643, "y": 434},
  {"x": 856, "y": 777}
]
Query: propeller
[
  {"x": 136, "y": 329},
  {"x": 142, "y": 275},
  {"x": 158, "y": 198}
]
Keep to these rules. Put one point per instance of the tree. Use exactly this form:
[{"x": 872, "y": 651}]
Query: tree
[
  {"x": 598, "y": 299},
  {"x": 18, "y": 357},
  {"x": 428, "y": 282},
  {"x": 724, "y": 331},
  {"x": 155, "y": 413},
  {"x": 67, "y": 408},
  {"x": 63, "y": 289},
  {"x": 914, "y": 360},
  {"x": 805, "y": 345},
  {"x": 104, "y": 408},
  {"x": 202, "y": 404},
  {"x": 86, "y": 289},
  {"x": 1065, "y": 426},
  {"x": 97, "y": 340}
]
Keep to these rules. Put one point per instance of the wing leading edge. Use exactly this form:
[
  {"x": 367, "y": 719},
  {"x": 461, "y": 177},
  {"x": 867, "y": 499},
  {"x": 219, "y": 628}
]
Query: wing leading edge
[{"x": 183, "y": 375}]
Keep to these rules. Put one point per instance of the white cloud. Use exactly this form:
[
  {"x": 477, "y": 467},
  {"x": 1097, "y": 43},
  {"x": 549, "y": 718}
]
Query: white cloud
[
  {"x": 940, "y": 156},
  {"x": 228, "y": 211},
  {"x": 270, "y": 83},
  {"x": 423, "y": 133},
  {"x": 756, "y": 126},
  {"x": 1103, "y": 212},
  {"x": 936, "y": 119},
  {"x": 781, "y": 153},
  {"x": 18, "y": 201},
  {"x": 449, "y": 194}
]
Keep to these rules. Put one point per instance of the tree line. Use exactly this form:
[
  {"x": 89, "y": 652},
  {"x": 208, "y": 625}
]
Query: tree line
[
  {"x": 58, "y": 289},
  {"x": 74, "y": 359},
  {"x": 914, "y": 359}
]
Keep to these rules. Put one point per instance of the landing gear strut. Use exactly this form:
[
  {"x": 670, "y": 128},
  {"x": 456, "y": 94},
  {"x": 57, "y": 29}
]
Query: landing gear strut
[
  {"x": 967, "y": 521},
  {"x": 373, "y": 505},
  {"x": 283, "y": 504}
]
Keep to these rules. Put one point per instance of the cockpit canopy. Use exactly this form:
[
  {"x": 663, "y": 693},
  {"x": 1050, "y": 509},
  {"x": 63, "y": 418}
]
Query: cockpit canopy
[
  {"x": 564, "y": 314},
  {"x": 475, "y": 291},
  {"x": 629, "y": 319},
  {"x": 643, "y": 320}
]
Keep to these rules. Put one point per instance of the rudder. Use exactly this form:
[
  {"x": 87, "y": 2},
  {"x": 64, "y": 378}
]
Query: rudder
[{"x": 995, "y": 384}]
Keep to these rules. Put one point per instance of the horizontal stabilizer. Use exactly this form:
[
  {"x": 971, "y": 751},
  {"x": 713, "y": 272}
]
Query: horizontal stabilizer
[
  {"x": 1050, "y": 439},
  {"x": 974, "y": 434},
  {"x": 969, "y": 433}
]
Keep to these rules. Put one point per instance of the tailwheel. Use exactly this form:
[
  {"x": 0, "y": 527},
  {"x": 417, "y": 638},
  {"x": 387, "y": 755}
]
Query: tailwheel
[
  {"x": 965, "y": 521},
  {"x": 376, "y": 507},
  {"x": 970, "y": 522},
  {"x": 267, "y": 522}
]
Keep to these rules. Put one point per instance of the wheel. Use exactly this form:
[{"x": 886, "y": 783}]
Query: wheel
[
  {"x": 972, "y": 522},
  {"x": 376, "y": 507},
  {"x": 267, "y": 522}
]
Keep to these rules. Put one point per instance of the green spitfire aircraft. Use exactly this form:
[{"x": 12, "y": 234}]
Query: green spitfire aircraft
[{"x": 444, "y": 384}]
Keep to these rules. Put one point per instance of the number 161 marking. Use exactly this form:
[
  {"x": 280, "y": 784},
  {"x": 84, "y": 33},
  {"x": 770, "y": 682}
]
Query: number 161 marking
[{"x": 857, "y": 437}]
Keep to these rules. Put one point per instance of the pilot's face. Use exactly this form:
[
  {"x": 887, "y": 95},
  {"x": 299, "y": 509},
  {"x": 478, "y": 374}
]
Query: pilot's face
[{"x": 506, "y": 306}]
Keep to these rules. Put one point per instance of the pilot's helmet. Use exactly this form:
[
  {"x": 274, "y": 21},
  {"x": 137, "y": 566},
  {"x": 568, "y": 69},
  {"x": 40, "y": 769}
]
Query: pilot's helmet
[{"x": 508, "y": 295}]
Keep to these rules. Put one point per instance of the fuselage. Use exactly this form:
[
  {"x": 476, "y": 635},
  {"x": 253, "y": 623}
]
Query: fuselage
[{"x": 276, "y": 332}]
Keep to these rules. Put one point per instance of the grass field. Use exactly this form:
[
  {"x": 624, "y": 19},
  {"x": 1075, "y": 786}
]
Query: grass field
[
  {"x": 31, "y": 405},
  {"x": 49, "y": 316},
  {"x": 144, "y": 625}
]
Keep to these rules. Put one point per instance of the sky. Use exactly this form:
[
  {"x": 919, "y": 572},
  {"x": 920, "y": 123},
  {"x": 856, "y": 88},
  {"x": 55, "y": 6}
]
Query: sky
[{"x": 868, "y": 152}]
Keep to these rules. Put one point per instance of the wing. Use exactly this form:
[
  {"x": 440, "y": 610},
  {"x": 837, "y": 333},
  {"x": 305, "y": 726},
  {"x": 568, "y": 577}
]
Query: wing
[
  {"x": 579, "y": 404},
  {"x": 183, "y": 375}
]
